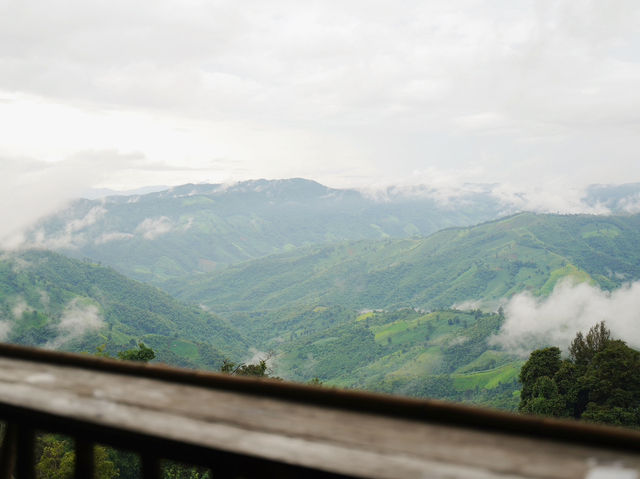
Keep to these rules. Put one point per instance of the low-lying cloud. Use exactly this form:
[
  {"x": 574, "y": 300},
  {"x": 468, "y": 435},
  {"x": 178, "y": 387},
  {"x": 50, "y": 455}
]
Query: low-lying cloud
[
  {"x": 71, "y": 236},
  {"x": 631, "y": 204},
  {"x": 560, "y": 198},
  {"x": 554, "y": 321},
  {"x": 20, "y": 308},
  {"x": 78, "y": 319},
  {"x": 113, "y": 236},
  {"x": 151, "y": 228},
  {"x": 456, "y": 189},
  {"x": 5, "y": 329},
  {"x": 33, "y": 189},
  {"x": 469, "y": 305}
]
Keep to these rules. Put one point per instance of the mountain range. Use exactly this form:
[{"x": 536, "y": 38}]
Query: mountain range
[
  {"x": 202, "y": 228},
  {"x": 188, "y": 229},
  {"x": 396, "y": 292}
]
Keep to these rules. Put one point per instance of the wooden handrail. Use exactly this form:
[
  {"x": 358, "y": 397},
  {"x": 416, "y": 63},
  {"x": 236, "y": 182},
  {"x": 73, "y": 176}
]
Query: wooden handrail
[{"x": 341, "y": 406}]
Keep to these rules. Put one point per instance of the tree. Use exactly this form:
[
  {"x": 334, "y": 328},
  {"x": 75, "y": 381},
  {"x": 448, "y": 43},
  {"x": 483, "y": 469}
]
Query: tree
[
  {"x": 58, "y": 457},
  {"x": 599, "y": 382},
  {"x": 258, "y": 370},
  {"x": 582, "y": 350},
  {"x": 104, "y": 466},
  {"x": 143, "y": 354},
  {"x": 543, "y": 363},
  {"x": 174, "y": 470},
  {"x": 316, "y": 381},
  {"x": 612, "y": 379},
  {"x": 545, "y": 398}
]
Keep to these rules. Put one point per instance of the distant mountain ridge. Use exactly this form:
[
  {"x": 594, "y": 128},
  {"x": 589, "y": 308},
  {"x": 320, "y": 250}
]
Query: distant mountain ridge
[
  {"x": 199, "y": 228},
  {"x": 193, "y": 228},
  {"x": 98, "y": 193}
]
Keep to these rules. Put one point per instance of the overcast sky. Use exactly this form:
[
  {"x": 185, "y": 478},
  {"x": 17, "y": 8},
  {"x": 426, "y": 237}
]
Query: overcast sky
[{"x": 539, "y": 94}]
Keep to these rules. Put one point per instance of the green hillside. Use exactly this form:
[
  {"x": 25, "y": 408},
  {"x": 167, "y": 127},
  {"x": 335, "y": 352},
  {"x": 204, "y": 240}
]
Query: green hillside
[
  {"x": 49, "y": 300},
  {"x": 441, "y": 354},
  {"x": 487, "y": 262},
  {"x": 406, "y": 339}
]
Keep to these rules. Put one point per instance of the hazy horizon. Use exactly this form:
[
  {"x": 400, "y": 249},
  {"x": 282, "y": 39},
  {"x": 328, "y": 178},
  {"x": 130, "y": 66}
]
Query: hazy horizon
[{"x": 538, "y": 98}]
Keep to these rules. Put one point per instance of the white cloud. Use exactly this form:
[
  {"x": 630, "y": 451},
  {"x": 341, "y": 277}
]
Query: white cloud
[
  {"x": 20, "y": 308},
  {"x": 455, "y": 188},
  {"x": 70, "y": 237},
  {"x": 89, "y": 219},
  {"x": 78, "y": 319},
  {"x": 468, "y": 305},
  {"x": 31, "y": 190},
  {"x": 340, "y": 91},
  {"x": 557, "y": 197},
  {"x": 151, "y": 228},
  {"x": 631, "y": 204},
  {"x": 554, "y": 321},
  {"x": 187, "y": 226},
  {"x": 5, "y": 329},
  {"x": 485, "y": 121},
  {"x": 45, "y": 300},
  {"x": 113, "y": 236}
]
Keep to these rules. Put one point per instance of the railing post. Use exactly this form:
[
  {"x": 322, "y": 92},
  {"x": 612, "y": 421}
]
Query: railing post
[
  {"x": 150, "y": 466},
  {"x": 25, "y": 461},
  {"x": 84, "y": 459},
  {"x": 8, "y": 453}
]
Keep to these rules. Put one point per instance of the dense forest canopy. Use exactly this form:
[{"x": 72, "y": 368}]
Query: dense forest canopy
[{"x": 598, "y": 382}]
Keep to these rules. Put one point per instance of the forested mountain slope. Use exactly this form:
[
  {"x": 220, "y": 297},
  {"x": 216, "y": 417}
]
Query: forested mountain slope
[
  {"x": 486, "y": 262},
  {"x": 194, "y": 228},
  {"x": 49, "y": 300}
]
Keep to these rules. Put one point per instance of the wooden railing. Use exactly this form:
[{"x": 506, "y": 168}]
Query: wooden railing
[{"x": 240, "y": 427}]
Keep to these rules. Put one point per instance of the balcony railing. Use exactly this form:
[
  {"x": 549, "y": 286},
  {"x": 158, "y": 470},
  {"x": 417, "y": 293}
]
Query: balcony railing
[{"x": 240, "y": 427}]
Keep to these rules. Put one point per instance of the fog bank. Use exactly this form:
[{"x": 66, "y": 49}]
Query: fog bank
[{"x": 554, "y": 320}]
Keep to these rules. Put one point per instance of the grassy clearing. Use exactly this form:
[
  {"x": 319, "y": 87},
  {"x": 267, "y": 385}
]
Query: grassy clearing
[
  {"x": 185, "y": 349},
  {"x": 365, "y": 316},
  {"x": 567, "y": 271},
  {"x": 486, "y": 379}
]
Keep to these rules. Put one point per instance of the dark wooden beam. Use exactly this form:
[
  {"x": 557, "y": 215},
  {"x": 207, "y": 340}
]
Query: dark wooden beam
[
  {"x": 252, "y": 427},
  {"x": 25, "y": 457}
]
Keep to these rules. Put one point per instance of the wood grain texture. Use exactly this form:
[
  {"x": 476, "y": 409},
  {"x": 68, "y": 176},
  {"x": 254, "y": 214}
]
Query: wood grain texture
[{"x": 328, "y": 439}]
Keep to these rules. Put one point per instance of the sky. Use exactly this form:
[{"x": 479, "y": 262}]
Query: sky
[{"x": 540, "y": 95}]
